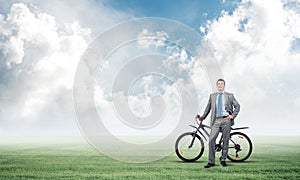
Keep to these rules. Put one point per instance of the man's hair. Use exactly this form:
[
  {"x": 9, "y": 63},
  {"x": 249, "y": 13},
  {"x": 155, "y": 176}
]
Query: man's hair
[{"x": 221, "y": 80}]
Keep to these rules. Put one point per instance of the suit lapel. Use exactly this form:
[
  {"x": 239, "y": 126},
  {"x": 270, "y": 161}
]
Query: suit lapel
[{"x": 226, "y": 96}]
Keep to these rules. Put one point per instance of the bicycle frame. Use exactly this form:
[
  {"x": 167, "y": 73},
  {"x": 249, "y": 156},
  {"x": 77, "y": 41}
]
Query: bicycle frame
[{"x": 203, "y": 126}]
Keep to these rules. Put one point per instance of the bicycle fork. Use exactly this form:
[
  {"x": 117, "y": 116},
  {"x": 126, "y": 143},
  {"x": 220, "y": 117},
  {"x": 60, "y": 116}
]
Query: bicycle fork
[{"x": 194, "y": 136}]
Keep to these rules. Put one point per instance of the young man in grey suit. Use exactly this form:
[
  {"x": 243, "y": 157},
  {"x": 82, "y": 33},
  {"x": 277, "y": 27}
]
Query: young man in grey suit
[{"x": 224, "y": 108}]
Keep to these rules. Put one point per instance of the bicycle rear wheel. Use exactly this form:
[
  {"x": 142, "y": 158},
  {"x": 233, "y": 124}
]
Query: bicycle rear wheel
[
  {"x": 240, "y": 147},
  {"x": 183, "y": 149}
]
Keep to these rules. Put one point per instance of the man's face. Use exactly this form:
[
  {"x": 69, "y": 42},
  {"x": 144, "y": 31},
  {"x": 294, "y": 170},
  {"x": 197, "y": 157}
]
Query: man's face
[{"x": 220, "y": 86}]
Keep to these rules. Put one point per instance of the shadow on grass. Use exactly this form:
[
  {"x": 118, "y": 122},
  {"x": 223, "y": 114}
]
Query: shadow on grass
[
  {"x": 229, "y": 163},
  {"x": 179, "y": 161},
  {"x": 245, "y": 162}
]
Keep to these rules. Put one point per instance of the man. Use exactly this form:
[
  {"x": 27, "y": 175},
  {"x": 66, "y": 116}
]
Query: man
[{"x": 224, "y": 108}]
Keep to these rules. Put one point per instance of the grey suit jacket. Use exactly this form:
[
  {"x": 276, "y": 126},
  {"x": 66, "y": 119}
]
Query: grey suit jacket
[{"x": 232, "y": 106}]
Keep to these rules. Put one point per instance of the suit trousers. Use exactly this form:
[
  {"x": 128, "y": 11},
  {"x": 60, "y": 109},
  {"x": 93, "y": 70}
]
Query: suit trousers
[{"x": 220, "y": 125}]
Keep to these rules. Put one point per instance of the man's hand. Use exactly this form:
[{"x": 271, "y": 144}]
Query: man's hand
[
  {"x": 229, "y": 117},
  {"x": 199, "y": 117}
]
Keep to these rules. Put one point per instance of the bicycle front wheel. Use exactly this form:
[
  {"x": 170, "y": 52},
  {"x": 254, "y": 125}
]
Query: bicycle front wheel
[
  {"x": 187, "y": 149},
  {"x": 240, "y": 147}
]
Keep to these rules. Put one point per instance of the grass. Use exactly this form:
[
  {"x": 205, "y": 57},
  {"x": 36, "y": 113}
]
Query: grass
[{"x": 68, "y": 158}]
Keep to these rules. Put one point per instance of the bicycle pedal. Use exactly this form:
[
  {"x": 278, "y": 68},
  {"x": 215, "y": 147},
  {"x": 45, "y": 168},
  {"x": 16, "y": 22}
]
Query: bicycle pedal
[{"x": 218, "y": 148}]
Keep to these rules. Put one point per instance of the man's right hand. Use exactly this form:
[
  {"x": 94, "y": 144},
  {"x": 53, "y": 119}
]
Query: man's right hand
[{"x": 199, "y": 117}]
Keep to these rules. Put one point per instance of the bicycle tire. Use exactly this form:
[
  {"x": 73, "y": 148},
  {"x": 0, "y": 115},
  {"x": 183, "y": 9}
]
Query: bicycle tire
[
  {"x": 245, "y": 139},
  {"x": 179, "y": 151}
]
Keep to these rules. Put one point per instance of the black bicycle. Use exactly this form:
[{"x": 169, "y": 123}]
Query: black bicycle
[{"x": 189, "y": 146}]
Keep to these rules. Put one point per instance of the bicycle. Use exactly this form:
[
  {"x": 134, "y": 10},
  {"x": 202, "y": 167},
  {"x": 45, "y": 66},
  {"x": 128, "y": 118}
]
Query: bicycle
[{"x": 189, "y": 146}]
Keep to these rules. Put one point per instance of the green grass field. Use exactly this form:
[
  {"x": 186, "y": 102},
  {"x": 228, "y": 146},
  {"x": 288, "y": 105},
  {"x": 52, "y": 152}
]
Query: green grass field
[{"x": 69, "y": 158}]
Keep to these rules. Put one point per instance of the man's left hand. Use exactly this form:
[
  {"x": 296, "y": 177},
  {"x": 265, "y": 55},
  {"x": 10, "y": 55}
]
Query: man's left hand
[{"x": 229, "y": 117}]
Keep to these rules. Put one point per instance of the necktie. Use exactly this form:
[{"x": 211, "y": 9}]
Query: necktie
[{"x": 219, "y": 105}]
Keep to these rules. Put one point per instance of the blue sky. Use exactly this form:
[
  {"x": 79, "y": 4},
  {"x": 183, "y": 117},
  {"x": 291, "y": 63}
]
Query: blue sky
[
  {"x": 192, "y": 13},
  {"x": 255, "y": 42}
]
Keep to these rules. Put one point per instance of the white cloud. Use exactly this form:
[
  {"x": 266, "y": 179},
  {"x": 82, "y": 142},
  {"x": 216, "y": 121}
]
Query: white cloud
[
  {"x": 39, "y": 55},
  {"x": 146, "y": 38},
  {"x": 141, "y": 106},
  {"x": 202, "y": 29},
  {"x": 162, "y": 80},
  {"x": 264, "y": 40},
  {"x": 253, "y": 47},
  {"x": 40, "y": 45}
]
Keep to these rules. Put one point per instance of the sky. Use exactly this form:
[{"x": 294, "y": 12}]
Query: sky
[{"x": 256, "y": 43}]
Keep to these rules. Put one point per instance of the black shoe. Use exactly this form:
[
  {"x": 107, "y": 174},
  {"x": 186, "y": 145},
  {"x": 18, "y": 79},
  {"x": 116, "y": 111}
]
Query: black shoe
[
  {"x": 209, "y": 165},
  {"x": 223, "y": 163}
]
